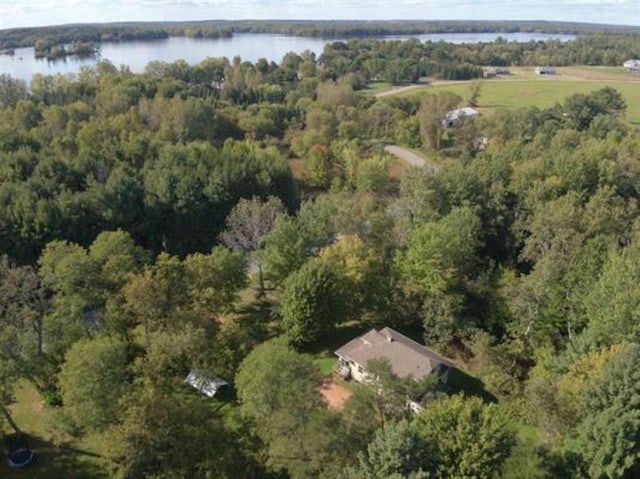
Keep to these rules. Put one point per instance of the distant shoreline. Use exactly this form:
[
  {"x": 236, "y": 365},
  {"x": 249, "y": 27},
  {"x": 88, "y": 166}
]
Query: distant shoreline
[{"x": 210, "y": 29}]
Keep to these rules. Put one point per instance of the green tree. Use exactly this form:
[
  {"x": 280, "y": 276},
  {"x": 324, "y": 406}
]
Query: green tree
[
  {"x": 440, "y": 254},
  {"x": 608, "y": 438},
  {"x": 168, "y": 435},
  {"x": 158, "y": 297},
  {"x": 464, "y": 438},
  {"x": 384, "y": 396},
  {"x": 373, "y": 175},
  {"x": 214, "y": 280},
  {"x": 272, "y": 378},
  {"x": 286, "y": 249},
  {"x": 22, "y": 305},
  {"x": 474, "y": 94},
  {"x": 12, "y": 90},
  {"x": 318, "y": 166},
  {"x": 279, "y": 392},
  {"x": 432, "y": 113},
  {"x": 611, "y": 305},
  {"x": 396, "y": 452},
  {"x": 312, "y": 302},
  {"x": 86, "y": 285},
  {"x": 92, "y": 381}
]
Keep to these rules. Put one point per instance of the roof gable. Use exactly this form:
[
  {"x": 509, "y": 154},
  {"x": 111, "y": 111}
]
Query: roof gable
[{"x": 406, "y": 357}]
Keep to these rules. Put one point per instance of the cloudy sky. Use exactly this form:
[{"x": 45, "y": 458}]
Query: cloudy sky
[{"x": 20, "y": 13}]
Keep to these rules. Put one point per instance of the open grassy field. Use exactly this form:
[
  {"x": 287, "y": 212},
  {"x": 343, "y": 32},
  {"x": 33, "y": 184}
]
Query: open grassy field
[
  {"x": 524, "y": 88},
  {"x": 376, "y": 87},
  {"x": 58, "y": 456},
  {"x": 517, "y": 94}
]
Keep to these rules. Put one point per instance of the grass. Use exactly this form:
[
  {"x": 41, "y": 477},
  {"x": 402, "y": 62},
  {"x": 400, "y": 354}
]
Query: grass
[
  {"x": 326, "y": 364},
  {"x": 517, "y": 94},
  {"x": 58, "y": 456},
  {"x": 376, "y": 87},
  {"x": 525, "y": 89}
]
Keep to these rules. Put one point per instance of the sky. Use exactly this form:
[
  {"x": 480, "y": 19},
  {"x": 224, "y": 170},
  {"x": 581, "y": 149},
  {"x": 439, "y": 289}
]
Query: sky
[{"x": 22, "y": 13}]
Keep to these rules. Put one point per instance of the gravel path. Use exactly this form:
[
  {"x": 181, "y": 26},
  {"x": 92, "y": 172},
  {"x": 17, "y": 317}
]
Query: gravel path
[
  {"x": 397, "y": 91},
  {"x": 410, "y": 157}
]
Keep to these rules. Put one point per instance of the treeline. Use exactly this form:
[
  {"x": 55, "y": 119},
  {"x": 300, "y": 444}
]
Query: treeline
[
  {"x": 397, "y": 61},
  {"x": 27, "y": 37},
  {"x": 64, "y": 34},
  {"x": 150, "y": 154},
  {"x": 350, "y": 28},
  {"x": 52, "y": 51}
]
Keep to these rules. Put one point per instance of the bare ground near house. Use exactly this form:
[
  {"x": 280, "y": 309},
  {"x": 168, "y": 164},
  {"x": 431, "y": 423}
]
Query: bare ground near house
[{"x": 335, "y": 394}]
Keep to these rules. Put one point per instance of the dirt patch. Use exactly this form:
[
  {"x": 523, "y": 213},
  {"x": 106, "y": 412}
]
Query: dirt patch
[
  {"x": 335, "y": 394},
  {"x": 296, "y": 168}
]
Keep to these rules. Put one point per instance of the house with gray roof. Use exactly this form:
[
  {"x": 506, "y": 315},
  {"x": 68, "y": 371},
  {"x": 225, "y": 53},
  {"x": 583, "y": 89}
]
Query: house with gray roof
[
  {"x": 453, "y": 117},
  {"x": 632, "y": 66},
  {"x": 407, "y": 358},
  {"x": 545, "y": 70}
]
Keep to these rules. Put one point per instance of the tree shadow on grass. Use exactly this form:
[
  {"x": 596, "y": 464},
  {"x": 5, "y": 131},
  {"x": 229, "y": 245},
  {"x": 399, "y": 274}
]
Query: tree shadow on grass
[
  {"x": 337, "y": 338},
  {"x": 54, "y": 462},
  {"x": 461, "y": 382},
  {"x": 258, "y": 315}
]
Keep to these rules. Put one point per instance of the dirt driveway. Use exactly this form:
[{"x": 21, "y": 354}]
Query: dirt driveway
[{"x": 410, "y": 157}]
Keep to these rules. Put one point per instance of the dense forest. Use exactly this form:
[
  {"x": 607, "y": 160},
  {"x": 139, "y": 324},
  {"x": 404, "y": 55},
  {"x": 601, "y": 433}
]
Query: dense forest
[
  {"x": 242, "y": 220},
  {"x": 108, "y": 32}
]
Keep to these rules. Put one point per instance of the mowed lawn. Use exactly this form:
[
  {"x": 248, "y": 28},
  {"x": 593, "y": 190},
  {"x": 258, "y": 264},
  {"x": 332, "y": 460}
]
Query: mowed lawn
[
  {"x": 523, "y": 88},
  {"x": 517, "y": 94},
  {"x": 58, "y": 456}
]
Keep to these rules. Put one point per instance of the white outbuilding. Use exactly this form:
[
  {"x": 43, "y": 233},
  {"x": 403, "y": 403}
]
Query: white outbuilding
[
  {"x": 453, "y": 117},
  {"x": 545, "y": 70},
  {"x": 206, "y": 385},
  {"x": 632, "y": 66}
]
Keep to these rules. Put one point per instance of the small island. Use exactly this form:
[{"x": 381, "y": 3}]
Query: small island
[{"x": 45, "y": 48}]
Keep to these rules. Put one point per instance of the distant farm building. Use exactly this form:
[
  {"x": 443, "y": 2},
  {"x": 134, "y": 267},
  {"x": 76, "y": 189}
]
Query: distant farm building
[
  {"x": 492, "y": 72},
  {"x": 453, "y": 117},
  {"x": 632, "y": 66},
  {"x": 545, "y": 70}
]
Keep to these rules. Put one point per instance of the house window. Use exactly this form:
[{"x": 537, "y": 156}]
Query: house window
[{"x": 360, "y": 369}]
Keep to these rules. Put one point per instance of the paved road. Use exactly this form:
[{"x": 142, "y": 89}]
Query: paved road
[{"x": 410, "y": 157}]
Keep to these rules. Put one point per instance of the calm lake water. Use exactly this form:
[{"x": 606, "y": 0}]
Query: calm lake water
[{"x": 248, "y": 46}]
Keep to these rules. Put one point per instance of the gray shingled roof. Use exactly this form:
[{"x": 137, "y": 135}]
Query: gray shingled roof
[{"x": 406, "y": 357}]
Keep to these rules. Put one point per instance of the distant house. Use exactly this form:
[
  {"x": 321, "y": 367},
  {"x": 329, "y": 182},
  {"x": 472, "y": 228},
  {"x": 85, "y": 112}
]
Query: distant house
[
  {"x": 206, "y": 385},
  {"x": 545, "y": 70},
  {"x": 632, "y": 66},
  {"x": 407, "y": 358},
  {"x": 492, "y": 72},
  {"x": 489, "y": 73},
  {"x": 452, "y": 118}
]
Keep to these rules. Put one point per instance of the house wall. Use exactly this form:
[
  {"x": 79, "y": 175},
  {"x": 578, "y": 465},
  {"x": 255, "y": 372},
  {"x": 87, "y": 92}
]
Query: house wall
[{"x": 356, "y": 370}]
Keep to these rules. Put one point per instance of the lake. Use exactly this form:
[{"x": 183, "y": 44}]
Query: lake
[{"x": 248, "y": 46}]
